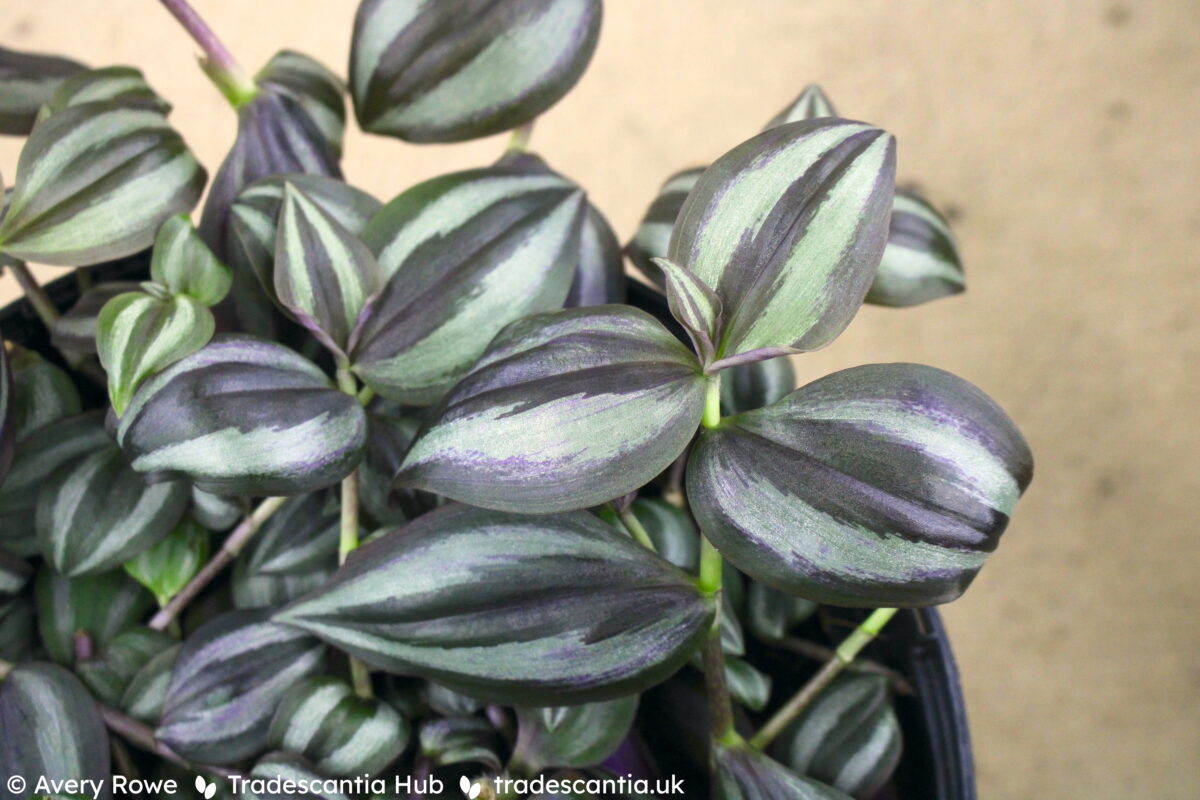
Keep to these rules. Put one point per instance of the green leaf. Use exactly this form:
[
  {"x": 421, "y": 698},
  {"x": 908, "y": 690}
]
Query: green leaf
[
  {"x": 254, "y": 218},
  {"x": 464, "y": 255},
  {"x": 52, "y": 730},
  {"x": 214, "y": 511},
  {"x": 747, "y": 686},
  {"x": 75, "y": 330},
  {"x": 139, "y": 335},
  {"x": 564, "y": 411},
  {"x": 294, "y": 553},
  {"x": 461, "y": 69},
  {"x": 881, "y": 485},
  {"x": 109, "y": 673},
  {"x": 742, "y": 773},
  {"x": 921, "y": 262},
  {"x": 653, "y": 236},
  {"x": 95, "y": 513},
  {"x": 771, "y": 614},
  {"x": 183, "y": 263},
  {"x": 694, "y": 306},
  {"x": 314, "y": 87},
  {"x": 788, "y": 229},
  {"x": 754, "y": 385},
  {"x": 522, "y": 609},
  {"x": 94, "y": 183},
  {"x": 42, "y": 393},
  {"x": 147, "y": 689},
  {"x": 339, "y": 733},
  {"x": 123, "y": 86},
  {"x": 812, "y": 103},
  {"x": 27, "y": 81},
  {"x": 571, "y": 736},
  {"x": 166, "y": 567},
  {"x": 39, "y": 454},
  {"x": 324, "y": 274},
  {"x": 101, "y": 606},
  {"x": 230, "y": 677},
  {"x": 271, "y": 422},
  {"x": 849, "y": 737}
]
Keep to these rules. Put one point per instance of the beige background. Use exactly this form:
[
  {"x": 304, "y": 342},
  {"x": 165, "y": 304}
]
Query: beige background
[{"x": 1064, "y": 136}]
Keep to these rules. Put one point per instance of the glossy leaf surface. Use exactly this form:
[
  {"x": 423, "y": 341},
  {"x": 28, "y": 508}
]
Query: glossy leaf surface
[
  {"x": 184, "y": 264},
  {"x": 513, "y": 608},
  {"x": 101, "y": 606},
  {"x": 921, "y": 261},
  {"x": 572, "y": 736}
]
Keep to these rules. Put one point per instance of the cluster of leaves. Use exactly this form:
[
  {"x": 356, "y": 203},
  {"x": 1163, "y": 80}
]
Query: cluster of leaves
[{"x": 461, "y": 361}]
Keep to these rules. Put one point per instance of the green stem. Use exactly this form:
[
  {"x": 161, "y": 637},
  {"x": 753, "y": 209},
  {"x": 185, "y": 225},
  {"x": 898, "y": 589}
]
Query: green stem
[
  {"x": 720, "y": 707},
  {"x": 710, "y": 567},
  {"x": 228, "y": 552},
  {"x": 637, "y": 529},
  {"x": 712, "y": 403},
  {"x": 218, "y": 63},
  {"x": 348, "y": 540},
  {"x": 42, "y": 304},
  {"x": 842, "y": 656},
  {"x": 519, "y": 141}
]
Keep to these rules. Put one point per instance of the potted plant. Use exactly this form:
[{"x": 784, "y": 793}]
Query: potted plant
[{"x": 424, "y": 498}]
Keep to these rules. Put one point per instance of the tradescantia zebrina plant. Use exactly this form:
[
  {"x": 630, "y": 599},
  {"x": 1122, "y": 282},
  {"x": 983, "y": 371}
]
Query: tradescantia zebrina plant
[{"x": 595, "y": 536}]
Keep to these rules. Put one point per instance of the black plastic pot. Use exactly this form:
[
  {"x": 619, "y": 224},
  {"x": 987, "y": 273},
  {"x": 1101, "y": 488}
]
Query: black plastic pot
[{"x": 937, "y": 762}]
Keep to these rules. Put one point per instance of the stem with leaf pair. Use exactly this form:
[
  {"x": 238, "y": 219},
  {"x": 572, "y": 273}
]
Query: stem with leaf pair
[{"x": 348, "y": 541}]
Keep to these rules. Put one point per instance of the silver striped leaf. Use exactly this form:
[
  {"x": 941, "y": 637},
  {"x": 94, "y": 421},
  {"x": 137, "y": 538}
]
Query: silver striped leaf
[
  {"x": 18, "y": 628},
  {"x": 771, "y": 614},
  {"x": 564, "y": 411},
  {"x": 27, "y": 81},
  {"x": 812, "y": 103},
  {"x": 254, "y": 217},
  {"x": 271, "y": 422},
  {"x": 53, "y": 731},
  {"x": 147, "y": 689},
  {"x": 459, "y": 740},
  {"x": 694, "y": 306},
  {"x": 324, "y": 274},
  {"x": 754, "y": 385},
  {"x": 8, "y": 417},
  {"x": 653, "y": 236},
  {"x": 880, "y": 485},
  {"x": 97, "y": 512},
  {"x": 788, "y": 229},
  {"x": 921, "y": 261},
  {"x": 278, "y": 771},
  {"x": 275, "y": 136},
  {"x": 168, "y": 565},
  {"x": 388, "y": 439},
  {"x": 316, "y": 88},
  {"x": 513, "y": 608},
  {"x": 184, "y": 264},
  {"x": 464, "y": 255},
  {"x": 453, "y": 70},
  {"x": 849, "y": 737},
  {"x": 747, "y": 685},
  {"x": 448, "y": 702},
  {"x": 75, "y": 330},
  {"x": 37, "y": 456},
  {"x": 94, "y": 183},
  {"x": 742, "y": 773},
  {"x": 338, "y": 732},
  {"x": 125, "y": 86},
  {"x": 600, "y": 276},
  {"x": 228, "y": 680},
  {"x": 108, "y": 673},
  {"x": 100, "y": 606},
  {"x": 571, "y": 736},
  {"x": 294, "y": 552},
  {"x": 14, "y": 574},
  {"x": 215, "y": 512},
  {"x": 140, "y": 334}
]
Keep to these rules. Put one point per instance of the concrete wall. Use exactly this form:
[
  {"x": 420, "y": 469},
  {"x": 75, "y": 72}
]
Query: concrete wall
[{"x": 1064, "y": 137}]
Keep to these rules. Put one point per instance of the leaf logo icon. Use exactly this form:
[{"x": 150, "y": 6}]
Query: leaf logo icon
[
  {"x": 205, "y": 788},
  {"x": 471, "y": 790}
]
